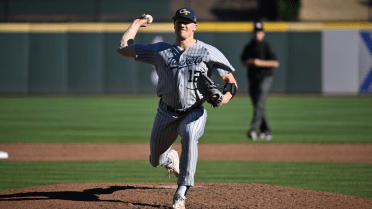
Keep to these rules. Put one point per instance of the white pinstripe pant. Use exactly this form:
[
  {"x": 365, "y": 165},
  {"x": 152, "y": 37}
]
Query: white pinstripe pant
[{"x": 167, "y": 126}]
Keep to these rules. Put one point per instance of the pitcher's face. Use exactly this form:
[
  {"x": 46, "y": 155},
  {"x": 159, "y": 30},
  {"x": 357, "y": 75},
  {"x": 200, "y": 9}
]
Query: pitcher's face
[{"x": 184, "y": 28}]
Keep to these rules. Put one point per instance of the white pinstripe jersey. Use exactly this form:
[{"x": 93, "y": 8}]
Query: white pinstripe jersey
[{"x": 178, "y": 70}]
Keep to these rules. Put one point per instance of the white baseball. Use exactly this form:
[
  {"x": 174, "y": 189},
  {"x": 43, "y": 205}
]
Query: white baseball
[{"x": 149, "y": 18}]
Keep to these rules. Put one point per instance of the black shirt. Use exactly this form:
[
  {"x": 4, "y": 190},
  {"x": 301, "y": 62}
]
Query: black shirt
[{"x": 261, "y": 50}]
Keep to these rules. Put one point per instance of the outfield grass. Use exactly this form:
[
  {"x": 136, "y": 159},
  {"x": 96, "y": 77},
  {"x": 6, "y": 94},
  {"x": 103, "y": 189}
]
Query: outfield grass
[
  {"x": 343, "y": 178},
  {"x": 128, "y": 119},
  {"x": 124, "y": 119}
]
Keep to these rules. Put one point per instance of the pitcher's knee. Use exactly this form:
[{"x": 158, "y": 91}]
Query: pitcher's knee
[{"x": 154, "y": 163}]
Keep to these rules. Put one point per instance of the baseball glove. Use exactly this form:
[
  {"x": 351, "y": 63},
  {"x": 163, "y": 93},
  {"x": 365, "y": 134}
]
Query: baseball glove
[{"x": 208, "y": 89}]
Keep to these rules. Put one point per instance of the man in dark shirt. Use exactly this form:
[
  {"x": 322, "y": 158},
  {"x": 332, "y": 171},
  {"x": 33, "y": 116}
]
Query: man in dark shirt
[{"x": 261, "y": 59}]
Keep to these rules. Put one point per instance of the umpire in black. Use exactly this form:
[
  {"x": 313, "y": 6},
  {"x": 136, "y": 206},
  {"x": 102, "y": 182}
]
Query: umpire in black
[{"x": 261, "y": 59}]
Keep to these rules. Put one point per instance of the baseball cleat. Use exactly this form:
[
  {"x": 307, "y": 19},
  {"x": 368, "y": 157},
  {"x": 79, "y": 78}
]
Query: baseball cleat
[
  {"x": 269, "y": 137},
  {"x": 175, "y": 168},
  {"x": 252, "y": 135},
  {"x": 179, "y": 202}
]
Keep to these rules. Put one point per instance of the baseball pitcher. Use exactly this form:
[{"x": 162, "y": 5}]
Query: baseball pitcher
[{"x": 183, "y": 87}]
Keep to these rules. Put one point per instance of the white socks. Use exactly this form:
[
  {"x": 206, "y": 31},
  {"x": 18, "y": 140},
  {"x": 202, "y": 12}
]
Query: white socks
[{"x": 182, "y": 189}]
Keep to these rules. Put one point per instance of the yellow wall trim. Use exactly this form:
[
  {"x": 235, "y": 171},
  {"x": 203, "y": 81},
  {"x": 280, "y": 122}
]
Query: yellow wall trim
[{"x": 168, "y": 27}]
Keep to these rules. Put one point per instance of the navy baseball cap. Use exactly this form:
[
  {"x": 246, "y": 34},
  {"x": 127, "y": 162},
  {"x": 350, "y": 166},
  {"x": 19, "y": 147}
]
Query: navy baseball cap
[
  {"x": 187, "y": 13},
  {"x": 258, "y": 26}
]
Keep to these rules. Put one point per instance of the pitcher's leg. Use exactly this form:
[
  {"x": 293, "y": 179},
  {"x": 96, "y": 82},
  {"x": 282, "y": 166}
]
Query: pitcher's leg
[
  {"x": 163, "y": 135},
  {"x": 191, "y": 129}
]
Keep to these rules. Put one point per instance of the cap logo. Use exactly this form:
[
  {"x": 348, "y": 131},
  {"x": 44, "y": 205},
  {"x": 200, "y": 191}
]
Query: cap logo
[
  {"x": 258, "y": 25},
  {"x": 184, "y": 11}
]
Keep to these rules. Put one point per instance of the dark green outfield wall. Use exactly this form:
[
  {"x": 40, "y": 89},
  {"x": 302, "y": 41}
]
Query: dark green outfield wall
[
  {"x": 88, "y": 62},
  {"x": 14, "y": 62},
  {"x": 304, "y": 62}
]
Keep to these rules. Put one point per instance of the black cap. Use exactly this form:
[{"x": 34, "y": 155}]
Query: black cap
[
  {"x": 258, "y": 26},
  {"x": 186, "y": 13}
]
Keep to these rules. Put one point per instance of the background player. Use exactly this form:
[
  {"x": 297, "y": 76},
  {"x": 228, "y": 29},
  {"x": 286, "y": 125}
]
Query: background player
[
  {"x": 180, "y": 110},
  {"x": 260, "y": 58}
]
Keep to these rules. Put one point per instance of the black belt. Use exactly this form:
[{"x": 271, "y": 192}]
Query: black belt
[{"x": 178, "y": 111}]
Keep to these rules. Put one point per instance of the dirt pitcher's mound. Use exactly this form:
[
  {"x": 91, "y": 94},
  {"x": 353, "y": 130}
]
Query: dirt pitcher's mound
[{"x": 159, "y": 195}]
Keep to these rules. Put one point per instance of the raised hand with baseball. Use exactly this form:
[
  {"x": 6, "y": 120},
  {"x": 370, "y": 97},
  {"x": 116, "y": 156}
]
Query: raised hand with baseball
[{"x": 126, "y": 43}]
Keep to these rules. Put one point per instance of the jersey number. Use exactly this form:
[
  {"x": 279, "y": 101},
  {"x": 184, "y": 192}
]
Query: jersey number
[{"x": 196, "y": 76}]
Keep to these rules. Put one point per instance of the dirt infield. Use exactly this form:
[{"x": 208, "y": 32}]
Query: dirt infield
[
  {"x": 265, "y": 152},
  {"x": 159, "y": 195}
]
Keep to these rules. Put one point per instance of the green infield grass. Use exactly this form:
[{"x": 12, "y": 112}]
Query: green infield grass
[
  {"x": 129, "y": 119},
  {"x": 343, "y": 178}
]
